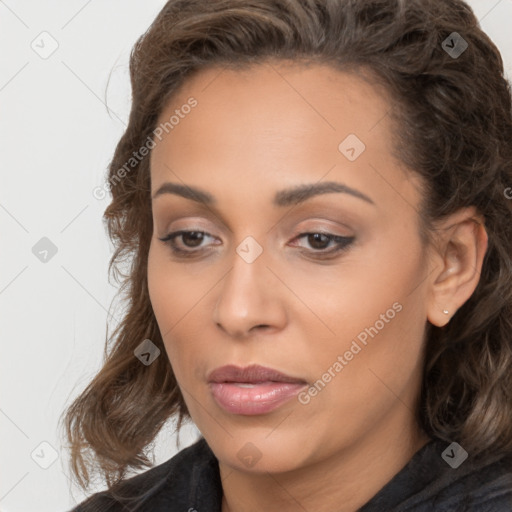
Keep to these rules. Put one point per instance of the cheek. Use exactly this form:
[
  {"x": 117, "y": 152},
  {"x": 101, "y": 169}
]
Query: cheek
[
  {"x": 167, "y": 296},
  {"x": 161, "y": 290},
  {"x": 364, "y": 292},
  {"x": 178, "y": 300},
  {"x": 378, "y": 320},
  {"x": 172, "y": 291}
]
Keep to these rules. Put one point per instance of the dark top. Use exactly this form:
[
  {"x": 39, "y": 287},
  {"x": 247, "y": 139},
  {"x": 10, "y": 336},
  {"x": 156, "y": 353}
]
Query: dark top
[{"x": 190, "y": 482}]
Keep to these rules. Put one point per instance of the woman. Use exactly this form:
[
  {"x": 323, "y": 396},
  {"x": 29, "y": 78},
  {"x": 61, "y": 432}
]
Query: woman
[{"x": 313, "y": 196}]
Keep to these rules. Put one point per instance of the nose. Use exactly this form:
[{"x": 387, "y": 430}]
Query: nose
[{"x": 250, "y": 299}]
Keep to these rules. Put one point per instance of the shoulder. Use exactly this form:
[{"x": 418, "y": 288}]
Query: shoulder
[
  {"x": 465, "y": 485},
  {"x": 482, "y": 487},
  {"x": 170, "y": 486},
  {"x": 439, "y": 478}
]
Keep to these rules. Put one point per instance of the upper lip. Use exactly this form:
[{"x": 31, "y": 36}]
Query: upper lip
[{"x": 251, "y": 374}]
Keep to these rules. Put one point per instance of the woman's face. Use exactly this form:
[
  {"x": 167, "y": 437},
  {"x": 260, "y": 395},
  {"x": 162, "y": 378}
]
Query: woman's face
[{"x": 269, "y": 283}]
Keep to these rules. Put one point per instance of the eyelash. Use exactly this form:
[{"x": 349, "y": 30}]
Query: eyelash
[{"x": 342, "y": 243}]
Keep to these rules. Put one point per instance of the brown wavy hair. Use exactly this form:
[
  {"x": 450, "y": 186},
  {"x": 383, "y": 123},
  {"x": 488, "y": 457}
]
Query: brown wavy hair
[{"x": 452, "y": 121}]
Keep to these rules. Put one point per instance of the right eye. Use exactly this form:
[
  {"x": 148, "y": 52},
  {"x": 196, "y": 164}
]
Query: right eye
[{"x": 188, "y": 238}]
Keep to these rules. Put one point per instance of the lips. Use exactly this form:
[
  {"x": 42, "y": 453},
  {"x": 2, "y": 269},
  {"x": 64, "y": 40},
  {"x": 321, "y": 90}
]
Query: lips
[
  {"x": 251, "y": 374},
  {"x": 252, "y": 390}
]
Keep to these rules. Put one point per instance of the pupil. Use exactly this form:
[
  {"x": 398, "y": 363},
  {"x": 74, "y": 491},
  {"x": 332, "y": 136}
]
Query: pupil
[
  {"x": 317, "y": 244},
  {"x": 196, "y": 237}
]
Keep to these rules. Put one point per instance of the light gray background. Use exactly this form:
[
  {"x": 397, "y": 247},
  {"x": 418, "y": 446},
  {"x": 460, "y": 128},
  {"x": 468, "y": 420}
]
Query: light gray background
[{"x": 56, "y": 138}]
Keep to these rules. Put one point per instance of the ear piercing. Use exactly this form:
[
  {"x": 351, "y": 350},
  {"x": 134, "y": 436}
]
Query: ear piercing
[{"x": 445, "y": 311}]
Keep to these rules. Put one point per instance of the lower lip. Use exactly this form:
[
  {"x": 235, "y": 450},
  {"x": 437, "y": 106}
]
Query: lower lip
[{"x": 258, "y": 399}]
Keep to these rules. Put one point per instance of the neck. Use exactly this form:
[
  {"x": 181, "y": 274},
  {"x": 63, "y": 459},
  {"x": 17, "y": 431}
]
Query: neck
[{"x": 345, "y": 481}]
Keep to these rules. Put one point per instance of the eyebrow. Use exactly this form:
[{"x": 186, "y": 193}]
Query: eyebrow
[{"x": 286, "y": 197}]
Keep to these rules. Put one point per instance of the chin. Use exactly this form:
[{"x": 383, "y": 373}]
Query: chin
[{"x": 255, "y": 451}]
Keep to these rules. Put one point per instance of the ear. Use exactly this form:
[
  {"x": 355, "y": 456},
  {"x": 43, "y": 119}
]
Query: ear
[{"x": 457, "y": 259}]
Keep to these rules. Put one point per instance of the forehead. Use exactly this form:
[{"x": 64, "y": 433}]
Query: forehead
[
  {"x": 277, "y": 121},
  {"x": 317, "y": 89},
  {"x": 276, "y": 100}
]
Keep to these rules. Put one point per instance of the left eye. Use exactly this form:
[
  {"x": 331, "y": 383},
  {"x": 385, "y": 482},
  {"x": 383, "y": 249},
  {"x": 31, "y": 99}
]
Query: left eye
[{"x": 321, "y": 241}]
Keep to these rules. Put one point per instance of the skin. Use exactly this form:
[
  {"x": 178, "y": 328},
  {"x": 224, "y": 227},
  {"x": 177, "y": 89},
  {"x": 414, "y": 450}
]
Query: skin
[{"x": 255, "y": 132}]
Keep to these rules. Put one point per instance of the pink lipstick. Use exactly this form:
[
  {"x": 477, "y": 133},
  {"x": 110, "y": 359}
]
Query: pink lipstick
[{"x": 252, "y": 390}]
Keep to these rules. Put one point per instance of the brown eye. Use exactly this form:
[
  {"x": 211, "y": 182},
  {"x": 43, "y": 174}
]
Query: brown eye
[
  {"x": 192, "y": 238},
  {"x": 316, "y": 241},
  {"x": 189, "y": 239},
  {"x": 319, "y": 242}
]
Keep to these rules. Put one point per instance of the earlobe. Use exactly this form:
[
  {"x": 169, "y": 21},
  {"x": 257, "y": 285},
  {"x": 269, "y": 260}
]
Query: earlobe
[{"x": 459, "y": 256}]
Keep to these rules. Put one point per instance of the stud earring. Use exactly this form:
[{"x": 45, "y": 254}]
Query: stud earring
[{"x": 445, "y": 311}]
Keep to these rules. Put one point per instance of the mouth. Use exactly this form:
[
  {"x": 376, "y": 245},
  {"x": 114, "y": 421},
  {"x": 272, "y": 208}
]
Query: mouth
[{"x": 252, "y": 390}]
